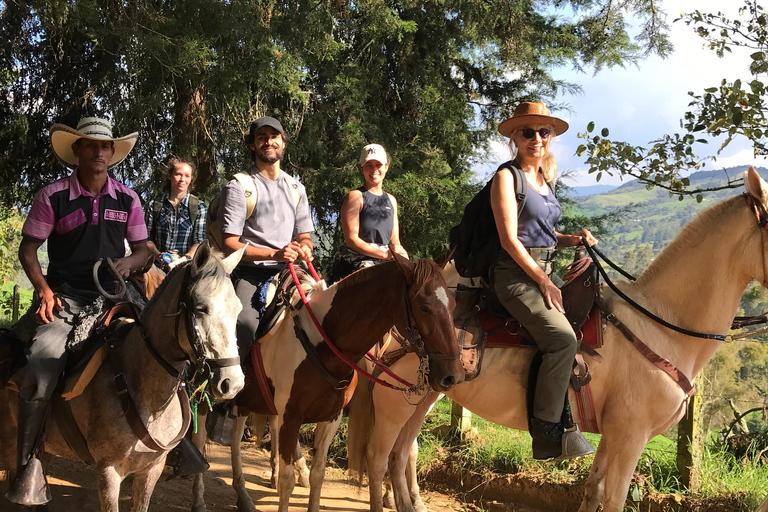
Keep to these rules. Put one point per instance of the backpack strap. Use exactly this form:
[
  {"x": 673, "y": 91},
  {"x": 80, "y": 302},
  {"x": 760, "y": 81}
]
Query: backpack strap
[
  {"x": 157, "y": 205},
  {"x": 193, "y": 205},
  {"x": 293, "y": 186},
  {"x": 249, "y": 189},
  {"x": 521, "y": 184}
]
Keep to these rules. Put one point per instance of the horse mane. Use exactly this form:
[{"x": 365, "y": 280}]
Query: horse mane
[
  {"x": 426, "y": 271},
  {"x": 690, "y": 236}
]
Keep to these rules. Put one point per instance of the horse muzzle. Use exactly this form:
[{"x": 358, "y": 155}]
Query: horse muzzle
[
  {"x": 226, "y": 382},
  {"x": 444, "y": 373}
]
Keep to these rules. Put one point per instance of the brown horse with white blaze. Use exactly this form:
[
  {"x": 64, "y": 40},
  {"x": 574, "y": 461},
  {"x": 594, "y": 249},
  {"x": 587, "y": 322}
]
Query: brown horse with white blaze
[
  {"x": 355, "y": 313},
  {"x": 696, "y": 283}
]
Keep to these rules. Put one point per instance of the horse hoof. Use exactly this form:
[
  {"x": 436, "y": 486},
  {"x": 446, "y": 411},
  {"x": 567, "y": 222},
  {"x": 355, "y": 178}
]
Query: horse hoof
[
  {"x": 389, "y": 501},
  {"x": 245, "y": 505},
  {"x": 303, "y": 481},
  {"x": 273, "y": 483},
  {"x": 198, "y": 508}
]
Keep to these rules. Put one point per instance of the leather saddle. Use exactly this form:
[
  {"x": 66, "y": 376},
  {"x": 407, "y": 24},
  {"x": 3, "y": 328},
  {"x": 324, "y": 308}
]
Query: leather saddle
[
  {"x": 482, "y": 321},
  {"x": 280, "y": 294}
]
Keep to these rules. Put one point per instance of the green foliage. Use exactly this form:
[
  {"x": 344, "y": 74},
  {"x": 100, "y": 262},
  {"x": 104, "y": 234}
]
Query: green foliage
[
  {"x": 733, "y": 108},
  {"x": 428, "y": 80},
  {"x": 11, "y": 223}
]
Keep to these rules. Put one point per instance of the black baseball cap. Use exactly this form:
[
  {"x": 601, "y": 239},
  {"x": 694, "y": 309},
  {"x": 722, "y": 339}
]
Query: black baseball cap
[{"x": 261, "y": 123}]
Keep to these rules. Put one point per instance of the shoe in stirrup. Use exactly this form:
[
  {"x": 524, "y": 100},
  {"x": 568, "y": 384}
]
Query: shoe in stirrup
[{"x": 547, "y": 439}]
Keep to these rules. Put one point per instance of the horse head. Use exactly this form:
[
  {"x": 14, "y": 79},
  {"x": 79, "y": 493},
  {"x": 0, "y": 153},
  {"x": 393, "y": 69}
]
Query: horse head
[
  {"x": 431, "y": 308},
  {"x": 214, "y": 308},
  {"x": 757, "y": 190}
]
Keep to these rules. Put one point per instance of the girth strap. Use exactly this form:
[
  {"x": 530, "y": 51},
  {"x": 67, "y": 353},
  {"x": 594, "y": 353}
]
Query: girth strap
[{"x": 70, "y": 430}]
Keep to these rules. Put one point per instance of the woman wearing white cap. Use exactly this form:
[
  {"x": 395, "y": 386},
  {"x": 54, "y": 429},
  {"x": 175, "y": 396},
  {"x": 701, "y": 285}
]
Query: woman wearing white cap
[{"x": 368, "y": 218}]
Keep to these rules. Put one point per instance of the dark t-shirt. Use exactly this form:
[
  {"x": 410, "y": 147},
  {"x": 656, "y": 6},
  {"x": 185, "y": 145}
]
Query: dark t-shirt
[
  {"x": 536, "y": 224},
  {"x": 81, "y": 228}
]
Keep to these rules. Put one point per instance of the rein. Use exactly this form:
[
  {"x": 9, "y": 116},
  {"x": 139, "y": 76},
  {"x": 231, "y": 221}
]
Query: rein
[{"x": 338, "y": 352}]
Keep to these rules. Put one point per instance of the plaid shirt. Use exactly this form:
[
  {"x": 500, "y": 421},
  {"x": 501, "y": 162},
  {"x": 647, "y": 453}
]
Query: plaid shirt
[{"x": 173, "y": 230}]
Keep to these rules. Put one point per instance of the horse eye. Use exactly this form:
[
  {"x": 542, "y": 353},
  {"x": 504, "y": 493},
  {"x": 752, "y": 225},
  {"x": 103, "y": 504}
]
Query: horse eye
[
  {"x": 426, "y": 308},
  {"x": 201, "y": 308}
]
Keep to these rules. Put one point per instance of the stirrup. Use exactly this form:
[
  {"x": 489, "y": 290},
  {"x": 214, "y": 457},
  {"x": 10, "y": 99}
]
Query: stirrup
[
  {"x": 186, "y": 459},
  {"x": 30, "y": 488},
  {"x": 574, "y": 445}
]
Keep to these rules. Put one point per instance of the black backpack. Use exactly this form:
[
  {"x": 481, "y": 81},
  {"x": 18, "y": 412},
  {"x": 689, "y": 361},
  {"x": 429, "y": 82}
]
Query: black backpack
[{"x": 475, "y": 241}]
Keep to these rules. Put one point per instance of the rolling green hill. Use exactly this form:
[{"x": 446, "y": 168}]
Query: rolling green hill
[{"x": 652, "y": 218}]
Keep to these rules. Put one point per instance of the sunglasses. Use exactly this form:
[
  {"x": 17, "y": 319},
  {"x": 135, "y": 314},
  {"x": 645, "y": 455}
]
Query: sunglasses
[{"x": 529, "y": 133}]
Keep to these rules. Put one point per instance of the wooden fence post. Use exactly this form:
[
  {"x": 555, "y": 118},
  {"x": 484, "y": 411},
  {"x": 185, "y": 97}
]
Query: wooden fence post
[
  {"x": 461, "y": 420},
  {"x": 690, "y": 440},
  {"x": 16, "y": 303}
]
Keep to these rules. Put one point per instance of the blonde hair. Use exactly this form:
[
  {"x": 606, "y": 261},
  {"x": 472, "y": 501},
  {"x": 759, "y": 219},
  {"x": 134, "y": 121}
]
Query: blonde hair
[{"x": 548, "y": 162}]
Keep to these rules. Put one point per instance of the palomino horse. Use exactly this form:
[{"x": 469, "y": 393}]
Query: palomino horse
[
  {"x": 695, "y": 283},
  {"x": 355, "y": 313},
  {"x": 201, "y": 294}
]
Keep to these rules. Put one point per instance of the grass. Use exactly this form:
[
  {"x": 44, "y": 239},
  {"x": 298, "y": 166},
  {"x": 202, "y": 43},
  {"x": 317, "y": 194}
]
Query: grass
[{"x": 502, "y": 450}]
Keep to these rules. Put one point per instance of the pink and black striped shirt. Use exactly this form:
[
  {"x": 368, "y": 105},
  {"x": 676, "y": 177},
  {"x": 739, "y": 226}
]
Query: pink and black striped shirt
[{"x": 82, "y": 228}]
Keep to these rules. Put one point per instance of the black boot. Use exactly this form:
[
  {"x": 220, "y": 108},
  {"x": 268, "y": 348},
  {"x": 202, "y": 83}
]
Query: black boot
[
  {"x": 30, "y": 487},
  {"x": 547, "y": 439}
]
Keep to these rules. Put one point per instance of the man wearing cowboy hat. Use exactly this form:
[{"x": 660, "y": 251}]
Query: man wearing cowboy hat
[{"x": 84, "y": 217}]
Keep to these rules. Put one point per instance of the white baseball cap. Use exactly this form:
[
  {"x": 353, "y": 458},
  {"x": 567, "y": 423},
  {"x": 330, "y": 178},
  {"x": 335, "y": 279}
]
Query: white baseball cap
[{"x": 373, "y": 152}]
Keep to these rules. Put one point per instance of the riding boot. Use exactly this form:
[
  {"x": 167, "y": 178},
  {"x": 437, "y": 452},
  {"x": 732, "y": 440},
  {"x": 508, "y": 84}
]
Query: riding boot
[
  {"x": 547, "y": 439},
  {"x": 30, "y": 488}
]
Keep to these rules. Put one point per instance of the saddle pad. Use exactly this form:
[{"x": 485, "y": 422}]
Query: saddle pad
[
  {"x": 503, "y": 332},
  {"x": 76, "y": 383}
]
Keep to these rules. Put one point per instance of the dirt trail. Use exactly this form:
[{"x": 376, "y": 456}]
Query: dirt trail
[{"x": 74, "y": 489}]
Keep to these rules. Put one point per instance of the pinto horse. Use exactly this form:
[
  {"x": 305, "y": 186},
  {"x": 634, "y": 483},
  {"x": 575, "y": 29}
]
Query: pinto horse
[
  {"x": 202, "y": 292},
  {"x": 696, "y": 283},
  {"x": 355, "y": 313}
]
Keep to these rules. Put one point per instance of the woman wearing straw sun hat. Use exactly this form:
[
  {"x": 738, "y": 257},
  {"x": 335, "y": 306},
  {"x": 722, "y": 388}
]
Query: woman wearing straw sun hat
[{"x": 522, "y": 276}]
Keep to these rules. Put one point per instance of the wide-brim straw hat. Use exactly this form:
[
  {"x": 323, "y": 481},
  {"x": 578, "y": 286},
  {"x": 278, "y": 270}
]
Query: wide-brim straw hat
[
  {"x": 94, "y": 128},
  {"x": 528, "y": 113}
]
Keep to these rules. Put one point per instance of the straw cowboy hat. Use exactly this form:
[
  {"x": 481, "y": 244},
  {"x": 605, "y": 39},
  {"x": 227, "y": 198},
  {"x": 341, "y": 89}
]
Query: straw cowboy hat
[
  {"x": 528, "y": 113},
  {"x": 94, "y": 128}
]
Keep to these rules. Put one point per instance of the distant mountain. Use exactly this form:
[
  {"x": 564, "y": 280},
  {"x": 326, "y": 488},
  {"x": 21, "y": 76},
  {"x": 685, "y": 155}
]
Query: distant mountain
[
  {"x": 652, "y": 218},
  {"x": 592, "y": 189}
]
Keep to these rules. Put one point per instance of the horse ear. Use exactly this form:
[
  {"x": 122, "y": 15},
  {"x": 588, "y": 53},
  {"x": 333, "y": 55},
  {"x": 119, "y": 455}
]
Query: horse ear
[
  {"x": 201, "y": 256},
  {"x": 230, "y": 262},
  {"x": 405, "y": 265},
  {"x": 755, "y": 186}
]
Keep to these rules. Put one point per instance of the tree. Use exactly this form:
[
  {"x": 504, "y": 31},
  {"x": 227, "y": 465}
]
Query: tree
[
  {"x": 428, "y": 80},
  {"x": 731, "y": 108}
]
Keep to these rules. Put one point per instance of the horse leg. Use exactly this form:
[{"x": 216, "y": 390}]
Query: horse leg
[
  {"x": 198, "y": 483},
  {"x": 287, "y": 438},
  {"x": 273, "y": 462},
  {"x": 143, "y": 485},
  {"x": 324, "y": 433},
  {"x": 407, "y": 496},
  {"x": 622, "y": 453},
  {"x": 300, "y": 464},
  {"x": 108, "y": 484},
  {"x": 389, "y": 498},
  {"x": 244, "y": 502},
  {"x": 412, "y": 478},
  {"x": 593, "y": 494}
]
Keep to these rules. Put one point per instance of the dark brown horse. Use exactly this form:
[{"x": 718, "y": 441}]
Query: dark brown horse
[{"x": 355, "y": 313}]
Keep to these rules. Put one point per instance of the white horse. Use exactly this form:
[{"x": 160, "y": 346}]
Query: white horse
[{"x": 695, "y": 283}]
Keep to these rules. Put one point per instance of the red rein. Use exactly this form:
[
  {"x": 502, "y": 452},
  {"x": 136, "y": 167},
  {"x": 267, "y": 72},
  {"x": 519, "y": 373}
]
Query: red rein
[{"x": 335, "y": 349}]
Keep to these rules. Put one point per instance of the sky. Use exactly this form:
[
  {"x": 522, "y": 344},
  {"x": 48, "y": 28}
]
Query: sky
[{"x": 639, "y": 104}]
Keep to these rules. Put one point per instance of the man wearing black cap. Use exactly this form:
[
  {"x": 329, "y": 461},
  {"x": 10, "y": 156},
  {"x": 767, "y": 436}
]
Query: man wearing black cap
[{"x": 278, "y": 230}]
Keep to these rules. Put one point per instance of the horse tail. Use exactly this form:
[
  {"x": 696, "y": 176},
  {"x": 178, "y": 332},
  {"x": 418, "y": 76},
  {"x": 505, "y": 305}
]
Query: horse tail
[{"x": 359, "y": 427}]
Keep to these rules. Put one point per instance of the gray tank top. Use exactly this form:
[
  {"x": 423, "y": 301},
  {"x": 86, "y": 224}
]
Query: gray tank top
[
  {"x": 376, "y": 218},
  {"x": 536, "y": 224}
]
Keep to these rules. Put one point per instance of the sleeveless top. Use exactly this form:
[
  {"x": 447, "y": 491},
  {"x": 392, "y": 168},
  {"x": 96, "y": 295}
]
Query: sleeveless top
[
  {"x": 536, "y": 224},
  {"x": 377, "y": 218}
]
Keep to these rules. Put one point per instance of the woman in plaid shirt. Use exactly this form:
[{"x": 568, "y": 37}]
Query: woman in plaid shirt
[{"x": 176, "y": 218}]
